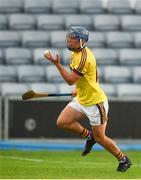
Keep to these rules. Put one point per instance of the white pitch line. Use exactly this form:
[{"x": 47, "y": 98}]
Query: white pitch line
[
  {"x": 61, "y": 162},
  {"x": 22, "y": 159},
  {"x": 49, "y": 161}
]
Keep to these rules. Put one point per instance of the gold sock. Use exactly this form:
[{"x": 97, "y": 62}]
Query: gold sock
[
  {"x": 120, "y": 156},
  {"x": 85, "y": 133}
]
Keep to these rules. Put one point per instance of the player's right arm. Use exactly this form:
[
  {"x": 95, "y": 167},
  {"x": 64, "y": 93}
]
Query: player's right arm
[{"x": 70, "y": 78}]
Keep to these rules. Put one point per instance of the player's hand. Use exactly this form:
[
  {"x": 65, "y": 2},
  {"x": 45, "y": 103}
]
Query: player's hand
[{"x": 49, "y": 56}]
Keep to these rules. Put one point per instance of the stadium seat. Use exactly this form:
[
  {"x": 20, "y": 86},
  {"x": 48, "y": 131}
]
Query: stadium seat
[
  {"x": 21, "y": 22},
  {"x": 35, "y": 39},
  {"x": 106, "y": 56},
  {"x": 2, "y": 59},
  {"x": 109, "y": 89},
  {"x": 29, "y": 73},
  {"x": 53, "y": 75},
  {"x": 37, "y": 6},
  {"x": 137, "y": 74},
  {"x": 11, "y": 6},
  {"x": 50, "y": 22},
  {"x": 65, "y": 88},
  {"x": 137, "y": 39},
  {"x": 18, "y": 56},
  {"x": 8, "y": 73},
  {"x": 117, "y": 74},
  {"x": 130, "y": 57},
  {"x": 96, "y": 40},
  {"x": 66, "y": 56},
  {"x": 9, "y": 39},
  {"x": 119, "y": 7},
  {"x": 38, "y": 55},
  {"x": 119, "y": 40},
  {"x": 129, "y": 90},
  {"x": 63, "y": 6},
  {"x": 91, "y": 6},
  {"x": 13, "y": 89},
  {"x": 100, "y": 73},
  {"x": 137, "y": 7},
  {"x": 78, "y": 20},
  {"x": 44, "y": 87},
  {"x": 131, "y": 23},
  {"x": 58, "y": 39},
  {"x": 106, "y": 22},
  {"x": 3, "y": 22}
]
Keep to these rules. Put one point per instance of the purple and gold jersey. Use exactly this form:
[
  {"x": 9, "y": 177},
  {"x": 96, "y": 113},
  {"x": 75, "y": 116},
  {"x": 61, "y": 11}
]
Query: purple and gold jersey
[{"x": 88, "y": 89}]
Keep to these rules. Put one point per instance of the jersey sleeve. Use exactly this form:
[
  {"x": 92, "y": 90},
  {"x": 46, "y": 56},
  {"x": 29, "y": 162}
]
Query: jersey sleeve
[{"x": 79, "y": 65}]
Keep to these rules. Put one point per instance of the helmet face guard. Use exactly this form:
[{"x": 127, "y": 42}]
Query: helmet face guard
[{"x": 79, "y": 33}]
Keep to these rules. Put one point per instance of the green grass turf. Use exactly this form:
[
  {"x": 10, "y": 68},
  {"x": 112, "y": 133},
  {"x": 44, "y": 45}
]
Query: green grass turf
[{"x": 65, "y": 165}]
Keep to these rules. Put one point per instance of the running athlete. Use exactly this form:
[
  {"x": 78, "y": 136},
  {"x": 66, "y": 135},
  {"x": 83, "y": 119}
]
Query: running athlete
[{"x": 90, "y": 99}]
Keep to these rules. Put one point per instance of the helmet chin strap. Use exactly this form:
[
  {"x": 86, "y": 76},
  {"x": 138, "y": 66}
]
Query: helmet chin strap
[{"x": 82, "y": 45}]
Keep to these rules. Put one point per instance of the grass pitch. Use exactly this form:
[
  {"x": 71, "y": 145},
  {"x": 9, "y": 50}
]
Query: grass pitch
[{"x": 65, "y": 165}]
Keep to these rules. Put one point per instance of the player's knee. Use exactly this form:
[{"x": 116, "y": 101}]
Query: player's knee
[
  {"x": 60, "y": 123},
  {"x": 99, "y": 139}
]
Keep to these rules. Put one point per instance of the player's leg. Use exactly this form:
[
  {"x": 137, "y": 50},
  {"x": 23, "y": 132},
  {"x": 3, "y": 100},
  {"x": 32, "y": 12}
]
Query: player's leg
[
  {"x": 110, "y": 145},
  {"x": 102, "y": 139},
  {"x": 68, "y": 120},
  {"x": 90, "y": 141}
]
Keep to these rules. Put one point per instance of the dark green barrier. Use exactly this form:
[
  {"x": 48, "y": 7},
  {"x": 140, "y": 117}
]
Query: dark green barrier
[{"x": 37, "y": 119}]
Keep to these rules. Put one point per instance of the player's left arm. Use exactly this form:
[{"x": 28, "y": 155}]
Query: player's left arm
[{"x": 70, "y": 78}]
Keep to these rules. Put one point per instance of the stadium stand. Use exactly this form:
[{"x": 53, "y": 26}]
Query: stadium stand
[
  {"x": 137, "y": 75},
  {"x": 52, "y": 74},
  {"x": 18, "y": 56},
  {"x": 10, "y": 39},
  {"x": 137, "y": 7},
  {"x": 3, "y": 22},
  {"x": 119, "y": 7},
  {"x": 57, "y": 39},
  {"x": 1, "y": 57},
  {"x": 91, "y": 7},
  {"x": 116, "y": 74},
  {"x": 78, "y": 20},
  {"x": 34, "y": 39},
  {"x": 66, "y": 56},
  {"x": 63, "y": 6},
  {"x": 43, "y": 87},
  {"x": 130, "y": 57},
  {"x": 12, "y": 6},
  {"x": 29, "y": 27},
  {"x": 63, "y": 87},
  {"x": 117, "y": 39},
  {"x": 100, "y": 73},
  {"x": 128, "y": 90},
  {"x": 37, "y": 6},
  {"x": 96, "y": 40},
  {"x": 29, "y": 73},
  {"x": 50, "y": 22},
  {"x": 8, "y": 73},
  {"x": 17, "y": 89},
  {"x": 21, "y": 22},
  {"x": 109, "y": 89},
  {"x": 38, "y": 55},
  {"x": 106, "y": 56},
  {"x": 106, "y": 22},
  {"x": 137, "y": 39},
  {"x": 131, "y": 23}
]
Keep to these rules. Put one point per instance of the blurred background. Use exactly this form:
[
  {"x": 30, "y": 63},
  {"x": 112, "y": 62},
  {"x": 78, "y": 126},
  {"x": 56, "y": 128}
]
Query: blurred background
[{"x": 29, "y": 27}]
